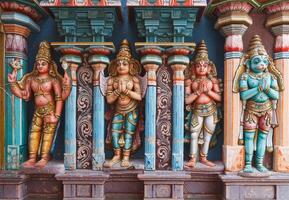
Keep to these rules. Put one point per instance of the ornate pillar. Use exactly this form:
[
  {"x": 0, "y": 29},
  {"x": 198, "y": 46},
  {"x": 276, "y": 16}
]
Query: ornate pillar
[
  {"x": 18, "y": 19},
  {"x": 279, "y": 25},
  {"x": 2, "y": 97},
  {"x": 233, "y": 20},
  {"x": 178, "y": 60},
  {"x": 151, "y": 60},
  {"x": 72, "y": 55},
  {"x": 98, "y": 61}
]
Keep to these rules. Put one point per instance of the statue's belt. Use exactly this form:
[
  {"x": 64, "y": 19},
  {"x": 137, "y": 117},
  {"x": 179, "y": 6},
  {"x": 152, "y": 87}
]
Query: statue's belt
[
  {"x": 45, "y": 110},
  {"x": 204, "y": 110},
  {"x": 258, "y": 108}
]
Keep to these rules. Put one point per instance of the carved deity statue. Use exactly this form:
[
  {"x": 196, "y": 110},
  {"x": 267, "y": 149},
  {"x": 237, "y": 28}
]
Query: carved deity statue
[
  {"x": 50, "y": 90},
  {"x": 124, "y": 93},
  {"x": 259, "y": 84},
  {"x": 203, "y": 93}
]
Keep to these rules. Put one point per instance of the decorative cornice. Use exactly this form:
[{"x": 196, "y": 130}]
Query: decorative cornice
[
  {"x": 85, "y": 23},
  {"x": 27, "y": 7},
  {"x": 17, "y": 29},
  {"x": 19, "y": 19},
  {"x": 233, "y": 17},
  {"x": 171, "y": 3},
  {"x": 279, "y": 18},
  {"x": 79, "y": 3},
  {"x": 165, "y": 24},
  {"x": 274, "y": 6},
  {"x": 222, "y": 6}
]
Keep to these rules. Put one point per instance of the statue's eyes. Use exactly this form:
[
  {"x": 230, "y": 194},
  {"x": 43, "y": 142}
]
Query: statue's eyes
[
  {"x": 256, "y": 60},
  {"x": 265, "y": 62}
]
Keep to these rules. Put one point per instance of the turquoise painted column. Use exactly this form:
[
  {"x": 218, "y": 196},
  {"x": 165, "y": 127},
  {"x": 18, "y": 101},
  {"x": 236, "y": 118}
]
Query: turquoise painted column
[
  {"x": 16, "y": 126},
  {"x": 178, "y": 63},
  {"x": 74, "y": 61},
  {"x": 150, "y": 63},
  {"x": 98, "y": 62}
]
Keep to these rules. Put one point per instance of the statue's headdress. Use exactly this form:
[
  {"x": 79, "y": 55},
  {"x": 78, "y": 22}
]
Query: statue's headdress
[
  {"x": 256, "y": 48},
  {"x": 124, "y": 54},
  {"x": 201, "y": 55},
  {"x": 124, "y": 51},
  {"x": 44, "y": 52}
]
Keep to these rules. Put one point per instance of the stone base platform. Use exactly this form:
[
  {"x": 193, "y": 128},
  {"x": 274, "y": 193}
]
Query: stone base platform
[
  {"x": 32, "y": 184},
  {"x": 200, "y": 183},
  {"x": 237, "y": 187}
]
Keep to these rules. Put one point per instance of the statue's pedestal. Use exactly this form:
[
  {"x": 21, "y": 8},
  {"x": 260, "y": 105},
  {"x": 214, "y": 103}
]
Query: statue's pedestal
[
  {"x": 32, "y": 184},
  {"x": 237, "y": 187},
  {"x": 83, "y": 184},
  {"x": 163, "y": 184},
  {"x": 13, "y": 185}
]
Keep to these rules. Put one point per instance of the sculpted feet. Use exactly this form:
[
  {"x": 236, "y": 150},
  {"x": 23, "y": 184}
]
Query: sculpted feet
[
  {"x": 203, "y": 160},
  {"x": 115, "y": 159},
  {"x": 29, "y": 163},
  {"x": 125, "y": 161},
  {"x": 41, "y": 163},
  {"x": 192, "y": 162},
  {"x": 248, "y": 169},
  {"x": 261, "y": 168}
]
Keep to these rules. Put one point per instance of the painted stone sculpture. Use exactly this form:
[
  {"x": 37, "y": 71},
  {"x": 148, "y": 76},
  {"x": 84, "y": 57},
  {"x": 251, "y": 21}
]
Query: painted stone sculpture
[
  {"x": 203, "y": 92},
  {"x": 259, "y": 84},
  {"x": 50, "y": 90},
  {"x": 124, "y": 94}
]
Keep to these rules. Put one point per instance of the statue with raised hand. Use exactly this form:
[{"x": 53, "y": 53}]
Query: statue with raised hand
[{"x": 49, "y": 90}]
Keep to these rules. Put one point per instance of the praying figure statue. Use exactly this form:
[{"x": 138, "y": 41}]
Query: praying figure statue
[
  {"x": 49, "y": 90},
  {"x": 124, "y": 94},
  {"x": 203, "y": 93},
  {"x": 259, "y": 83}
]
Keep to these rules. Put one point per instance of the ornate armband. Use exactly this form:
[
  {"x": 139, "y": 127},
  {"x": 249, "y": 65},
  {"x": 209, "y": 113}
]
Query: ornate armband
[
  {"x": 58, "y": 98},
  {"x": 14, "y": 84}
]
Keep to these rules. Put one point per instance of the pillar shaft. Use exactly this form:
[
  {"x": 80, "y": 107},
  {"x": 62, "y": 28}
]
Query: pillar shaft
[
  {"x": 98, "y": 118},
  {"x": 150, "y": 116},
  {"x": 16, "y": 127},
  {"x": 70, "y": 122},
  {"x": 178, "y": 115},
  {"x": 233, "y": 21},
  {"x": 2, "y": 98},
  {"x": 278, "y": 23}
]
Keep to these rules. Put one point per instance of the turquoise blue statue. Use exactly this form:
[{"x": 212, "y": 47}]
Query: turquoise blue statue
[{"x": 259, "y": 84}]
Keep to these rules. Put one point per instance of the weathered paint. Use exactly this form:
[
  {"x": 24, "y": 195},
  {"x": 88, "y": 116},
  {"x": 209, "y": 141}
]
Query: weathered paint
[
  {"x": 150, "y": 128},
  {"x": 16, "y": 131},
  {"x": 70, "y": 130},
  {"x": 178, "y": 128},
  {"x": 2, "y": 97},
  {"x": 98, "y": 128}
]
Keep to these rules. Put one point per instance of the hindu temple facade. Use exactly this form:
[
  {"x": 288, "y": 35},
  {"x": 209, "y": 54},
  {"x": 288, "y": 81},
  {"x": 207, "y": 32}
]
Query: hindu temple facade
[{"x": 150, "y": 99}]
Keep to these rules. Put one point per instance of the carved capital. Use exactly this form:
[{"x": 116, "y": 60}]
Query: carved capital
[
  {"x": 97, "y": 68},
  {"x": 151, "y": 73},
  {"x": 73, "y": 69},
  {"x": 178, "y": 76}
]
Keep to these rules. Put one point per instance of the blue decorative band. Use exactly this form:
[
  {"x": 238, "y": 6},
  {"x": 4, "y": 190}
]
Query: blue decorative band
[
  {"x": 233, "y": 54},
  {"x": 151, "y": 59},
  {"x": 71, "y": 58},
  {"x": 20, "y": 19},
  {"x": 178, "y": 60},
  {"x": 98, "y": 59},
  {"x": 281, "y": 55}
]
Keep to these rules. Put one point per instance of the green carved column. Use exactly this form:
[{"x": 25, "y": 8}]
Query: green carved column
[{"x": 18, "y": 24}]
